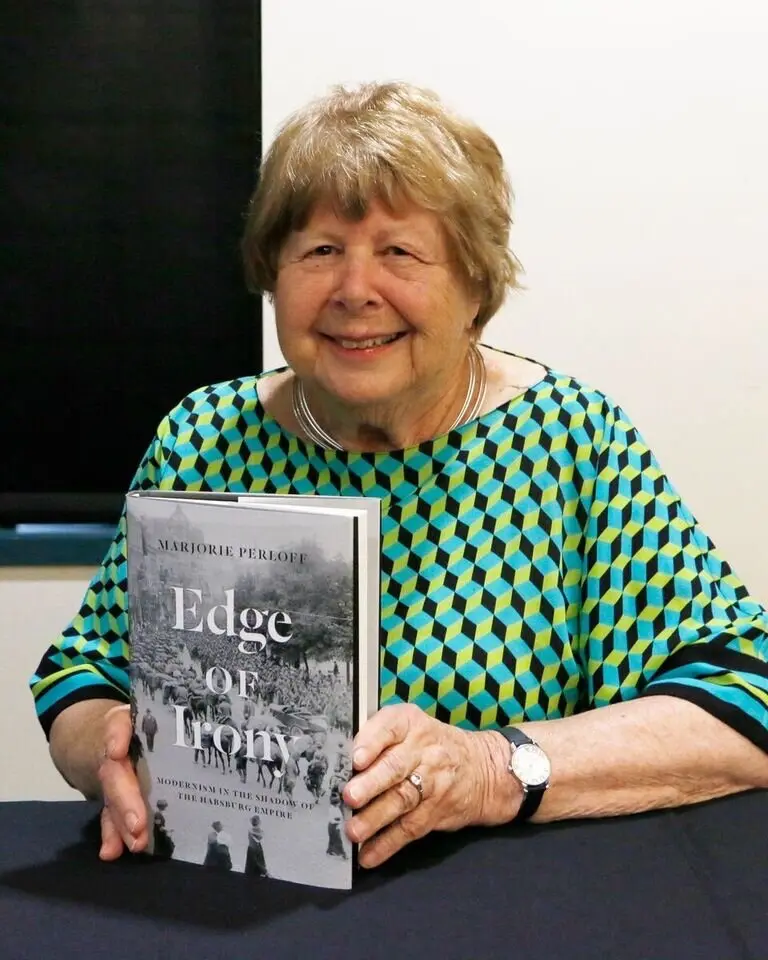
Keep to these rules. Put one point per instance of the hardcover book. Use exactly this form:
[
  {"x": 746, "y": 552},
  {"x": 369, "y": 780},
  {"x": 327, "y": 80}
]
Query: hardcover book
[{"x": 254, "y": 657}]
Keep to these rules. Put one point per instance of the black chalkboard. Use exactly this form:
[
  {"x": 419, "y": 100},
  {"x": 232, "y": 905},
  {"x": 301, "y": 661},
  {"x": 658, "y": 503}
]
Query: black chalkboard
[{"x": 130, "y": 144}]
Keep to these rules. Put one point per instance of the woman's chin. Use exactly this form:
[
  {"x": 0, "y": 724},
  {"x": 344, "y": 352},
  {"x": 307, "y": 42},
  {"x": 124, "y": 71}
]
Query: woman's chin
[
  {"x": 358, "y": 401},
  {"x": 362, "y": 391}
]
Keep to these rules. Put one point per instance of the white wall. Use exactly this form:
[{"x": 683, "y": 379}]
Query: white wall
[
  {"x": 636, "y": 135},
  {"x": 35, "y": 605}
]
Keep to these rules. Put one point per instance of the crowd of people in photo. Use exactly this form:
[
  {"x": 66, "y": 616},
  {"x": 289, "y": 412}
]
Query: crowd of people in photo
[
  {"x": 310, "y": 707},
  {"x": 276, "y": 688}
]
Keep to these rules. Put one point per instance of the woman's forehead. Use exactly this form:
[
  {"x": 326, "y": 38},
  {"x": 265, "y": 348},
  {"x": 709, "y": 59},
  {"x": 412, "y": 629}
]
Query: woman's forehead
[{"x": 377, "y": 217}]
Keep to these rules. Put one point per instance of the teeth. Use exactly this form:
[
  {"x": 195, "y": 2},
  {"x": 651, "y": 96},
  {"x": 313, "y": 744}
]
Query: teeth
[{"x": 367, "y": 344}]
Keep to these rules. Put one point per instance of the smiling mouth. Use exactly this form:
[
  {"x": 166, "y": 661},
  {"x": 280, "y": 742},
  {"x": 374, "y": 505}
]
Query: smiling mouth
[{"x": 369, "y": 343}]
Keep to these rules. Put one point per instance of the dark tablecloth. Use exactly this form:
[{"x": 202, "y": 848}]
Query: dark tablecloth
[{"x": 685, "y": 885}]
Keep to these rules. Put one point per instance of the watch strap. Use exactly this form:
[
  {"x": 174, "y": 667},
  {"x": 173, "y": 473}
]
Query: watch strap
[
  {"x": 531, "y": 799},
  {"x": 515, "y": 736}
]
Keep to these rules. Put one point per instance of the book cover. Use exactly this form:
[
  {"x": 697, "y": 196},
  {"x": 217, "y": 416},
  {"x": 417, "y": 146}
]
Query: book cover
[{"x": 254, "y": 639}]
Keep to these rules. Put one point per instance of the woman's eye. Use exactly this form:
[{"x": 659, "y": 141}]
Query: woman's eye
[
  {"x": 324, "y": 250},
  {"x": 398, "y": 251}
]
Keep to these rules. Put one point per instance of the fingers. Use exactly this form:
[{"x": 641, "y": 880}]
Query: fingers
[
  {"x": 387, "y": 842},
  {"x": 124, "y": 803},
  {"x": 124, "y": 817},
  {"x": 386, "y": 809},
  {"x": 118, "y": 730},
  {"x": 387, "y": 750},
  {"x": 389, "y": 811},
  {"x": 386, "y": 728},
  {"x": 388, "y": 824},
  {"x": 389, "y": 770},
  {"x": 111, "y": 841}
]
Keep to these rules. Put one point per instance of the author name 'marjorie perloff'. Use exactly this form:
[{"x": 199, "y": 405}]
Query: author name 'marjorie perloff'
[{"x": 242, "y": 552}]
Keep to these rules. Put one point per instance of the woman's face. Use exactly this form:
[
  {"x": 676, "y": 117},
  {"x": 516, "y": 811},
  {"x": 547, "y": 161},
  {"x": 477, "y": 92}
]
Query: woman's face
[{"x": 374, "y": 312}]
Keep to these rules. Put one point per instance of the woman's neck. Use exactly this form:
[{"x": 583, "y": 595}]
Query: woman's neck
[
  {"x": 508, "y": 376},
  {"x": 399, "y": 423}
]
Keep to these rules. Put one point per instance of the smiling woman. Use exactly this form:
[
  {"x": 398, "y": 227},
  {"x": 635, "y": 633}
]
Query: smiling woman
[
  {"x": 375, "y": 322},
  {"x": 559, "y": 637},
  {"x": 380, "y": 227}
]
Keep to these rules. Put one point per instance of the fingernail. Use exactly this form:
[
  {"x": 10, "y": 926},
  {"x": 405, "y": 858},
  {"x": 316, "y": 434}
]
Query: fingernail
[
  {"x": 358, "y": 757},
  {"x": 131, "y": 821},
  {"x": 364, "y": 860}
]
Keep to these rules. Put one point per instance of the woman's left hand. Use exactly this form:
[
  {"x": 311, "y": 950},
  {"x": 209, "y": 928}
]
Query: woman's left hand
[{"x": 458, "y": 775}]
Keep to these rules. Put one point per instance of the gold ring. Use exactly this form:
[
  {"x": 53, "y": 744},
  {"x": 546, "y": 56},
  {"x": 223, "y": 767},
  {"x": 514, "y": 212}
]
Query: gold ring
[{"x": 418, "y": 782}]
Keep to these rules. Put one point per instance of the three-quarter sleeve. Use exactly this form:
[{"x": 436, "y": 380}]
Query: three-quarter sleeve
[
  {"x": 662, "y": 612},
  {"x": 89, "y": 659}
]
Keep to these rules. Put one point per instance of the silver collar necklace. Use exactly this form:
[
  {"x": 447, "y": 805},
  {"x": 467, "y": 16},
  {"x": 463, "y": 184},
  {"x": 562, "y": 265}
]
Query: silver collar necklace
[{"x": 470, "y": 408}]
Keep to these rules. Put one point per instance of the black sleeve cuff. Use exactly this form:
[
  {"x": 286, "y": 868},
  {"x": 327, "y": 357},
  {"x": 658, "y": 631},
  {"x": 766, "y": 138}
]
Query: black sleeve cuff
[{"x": 102, "y": 691}]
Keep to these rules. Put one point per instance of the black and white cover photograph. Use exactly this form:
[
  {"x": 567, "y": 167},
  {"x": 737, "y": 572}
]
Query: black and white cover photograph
[{"x": 244, "y": 625}]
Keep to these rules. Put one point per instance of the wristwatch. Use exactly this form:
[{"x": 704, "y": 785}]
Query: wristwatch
[{"x": 531, "y": 768}]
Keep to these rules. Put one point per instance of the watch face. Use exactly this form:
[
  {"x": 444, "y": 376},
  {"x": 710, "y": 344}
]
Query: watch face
[{"x": 530, "y": 765}]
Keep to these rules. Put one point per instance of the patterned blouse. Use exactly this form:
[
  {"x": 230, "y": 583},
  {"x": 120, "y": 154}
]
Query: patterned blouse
[{"x": 536, "y": 562}]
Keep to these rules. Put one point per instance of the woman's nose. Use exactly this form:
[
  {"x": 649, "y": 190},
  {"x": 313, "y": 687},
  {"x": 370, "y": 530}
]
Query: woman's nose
[{"x": 356, "y": 277}]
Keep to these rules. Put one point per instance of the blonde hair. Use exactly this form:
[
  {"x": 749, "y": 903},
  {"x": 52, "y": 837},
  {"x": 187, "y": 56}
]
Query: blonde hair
[{"x": 390, "y": 142}]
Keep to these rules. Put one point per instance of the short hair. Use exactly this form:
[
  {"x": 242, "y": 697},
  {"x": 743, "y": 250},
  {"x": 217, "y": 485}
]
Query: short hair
[{"x": 390, "y": 142}]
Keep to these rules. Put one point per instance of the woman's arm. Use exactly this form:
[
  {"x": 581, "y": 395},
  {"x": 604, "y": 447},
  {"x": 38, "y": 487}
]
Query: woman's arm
[{"x": 648, "y": 753}]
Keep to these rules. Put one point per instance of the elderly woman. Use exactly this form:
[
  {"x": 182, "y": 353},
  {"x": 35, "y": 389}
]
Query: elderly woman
[{"x": 552, "y": 615}]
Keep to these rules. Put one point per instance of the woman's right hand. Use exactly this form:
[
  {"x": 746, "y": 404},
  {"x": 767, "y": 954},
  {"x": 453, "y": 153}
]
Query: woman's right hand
[
  {"x": 123, "y": 816},
  {"x": 89, "y": 744}
]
